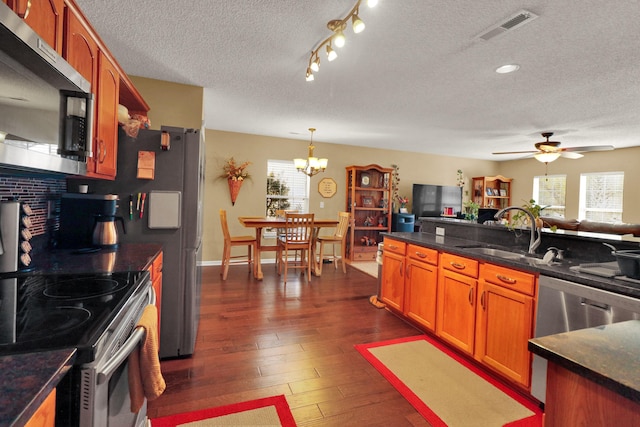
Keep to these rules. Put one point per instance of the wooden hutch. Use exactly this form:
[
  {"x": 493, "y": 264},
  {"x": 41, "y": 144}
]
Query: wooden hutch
[
  {"x": 369, "y": 203},
  {"x": 492, "y": 191}
]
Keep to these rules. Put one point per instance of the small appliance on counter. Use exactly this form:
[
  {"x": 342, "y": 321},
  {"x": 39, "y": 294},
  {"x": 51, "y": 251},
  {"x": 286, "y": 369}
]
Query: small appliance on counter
[
  {"x": 15, "y": 234},
  {"x": 79, "y": 216}
]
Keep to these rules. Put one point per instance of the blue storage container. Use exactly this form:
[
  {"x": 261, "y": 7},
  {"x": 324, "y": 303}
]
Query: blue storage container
[{"x": 402, "y": 222}]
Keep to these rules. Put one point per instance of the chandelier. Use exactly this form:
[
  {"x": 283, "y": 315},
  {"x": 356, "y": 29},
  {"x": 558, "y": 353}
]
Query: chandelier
[
  {"x": 311, "y": 165},
  {"x": 337, "y": 39}
]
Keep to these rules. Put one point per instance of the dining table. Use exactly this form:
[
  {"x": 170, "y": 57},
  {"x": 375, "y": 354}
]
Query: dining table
[{"x": 260, "y": 223}]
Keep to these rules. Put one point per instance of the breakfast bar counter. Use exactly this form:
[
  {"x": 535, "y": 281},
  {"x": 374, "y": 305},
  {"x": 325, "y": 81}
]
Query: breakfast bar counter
[{"x": 594, "y": 375}]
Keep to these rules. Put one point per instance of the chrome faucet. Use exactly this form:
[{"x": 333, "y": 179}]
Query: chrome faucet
[{"x": 534, "y": 241}]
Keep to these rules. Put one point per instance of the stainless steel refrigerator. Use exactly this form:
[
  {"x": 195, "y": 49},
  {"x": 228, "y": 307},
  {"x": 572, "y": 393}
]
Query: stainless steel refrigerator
[{"x": 172, "y": 216}]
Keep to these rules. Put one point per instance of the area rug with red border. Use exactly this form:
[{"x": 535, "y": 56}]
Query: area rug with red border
[
  {"x": 269, "y": 411},
  {"x": 446, "y": 389}
]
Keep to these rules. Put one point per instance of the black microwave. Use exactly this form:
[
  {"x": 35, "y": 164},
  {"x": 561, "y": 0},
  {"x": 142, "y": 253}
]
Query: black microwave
[{"x": 46, "y": 106}]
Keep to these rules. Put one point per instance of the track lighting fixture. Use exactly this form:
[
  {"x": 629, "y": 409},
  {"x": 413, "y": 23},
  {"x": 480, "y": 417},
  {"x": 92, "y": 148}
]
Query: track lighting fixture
[
  {"x": 337, "y": 27},
  {"x": 311, "y": 165}
]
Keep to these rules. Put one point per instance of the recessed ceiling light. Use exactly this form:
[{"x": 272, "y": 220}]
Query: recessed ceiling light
[{"x": 509, "y": 68}]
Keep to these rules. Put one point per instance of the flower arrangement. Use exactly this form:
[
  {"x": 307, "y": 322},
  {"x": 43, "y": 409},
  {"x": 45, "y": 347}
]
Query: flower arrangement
[
  {"x": 403, "y": 201},
  {"x": 235, "y": 172},
  {"x": 460, "y": 178}
]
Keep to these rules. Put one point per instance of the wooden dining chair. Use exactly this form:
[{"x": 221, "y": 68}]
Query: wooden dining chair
[
  {"x": 339, "y": 237},
  {"x": 231, "y": 241},
  {"x": 298, "y": 237}
]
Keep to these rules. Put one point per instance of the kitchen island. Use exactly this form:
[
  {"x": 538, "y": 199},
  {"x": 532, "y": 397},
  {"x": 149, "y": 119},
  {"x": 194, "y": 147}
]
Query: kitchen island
[
  {"x": 594, "y": 375},
  {"x": 487, "y": 274}
]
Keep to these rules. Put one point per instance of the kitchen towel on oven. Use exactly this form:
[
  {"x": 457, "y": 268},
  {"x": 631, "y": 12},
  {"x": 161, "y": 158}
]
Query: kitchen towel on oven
[{"x": 145, "y": 377}]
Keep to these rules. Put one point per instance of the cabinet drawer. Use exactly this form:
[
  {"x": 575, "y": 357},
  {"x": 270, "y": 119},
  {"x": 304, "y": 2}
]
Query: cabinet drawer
[
  {"x": 395, "y": 246},
  {"x": 508, "y": 278},
  {"x": 459, "y": 264},
  {"x": 423, "y": 254}
]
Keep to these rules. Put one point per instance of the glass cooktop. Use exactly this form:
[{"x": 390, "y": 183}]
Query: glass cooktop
[{"x": 43, "y": 312}]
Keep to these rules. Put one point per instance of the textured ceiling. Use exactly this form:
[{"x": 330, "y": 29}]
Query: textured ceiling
[{"x": 416, "y": 79}]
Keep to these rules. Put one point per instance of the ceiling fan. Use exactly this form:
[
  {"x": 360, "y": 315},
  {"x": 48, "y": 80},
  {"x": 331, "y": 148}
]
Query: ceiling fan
[{"x": 548, "y": 151}]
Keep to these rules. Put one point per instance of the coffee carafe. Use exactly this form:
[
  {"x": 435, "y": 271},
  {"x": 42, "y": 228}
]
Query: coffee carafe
[{"x": 105, "y": 234}]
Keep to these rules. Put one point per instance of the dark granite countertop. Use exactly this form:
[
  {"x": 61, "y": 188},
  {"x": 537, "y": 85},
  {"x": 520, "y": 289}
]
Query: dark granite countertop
[
  {"x": 27, "y": 380},
  {"x": 607, "y": 355},
  {"x": 563, "y": 270}
]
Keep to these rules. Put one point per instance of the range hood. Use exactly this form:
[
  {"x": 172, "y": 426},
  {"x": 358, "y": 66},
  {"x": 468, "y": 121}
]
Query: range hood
[{"x": 33, "y": 77}]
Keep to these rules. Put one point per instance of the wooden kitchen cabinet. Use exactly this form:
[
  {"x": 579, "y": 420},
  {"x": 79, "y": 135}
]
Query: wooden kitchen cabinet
[
  {"x": 45, "y": 415},
  {"x": 105, "y": 148},
  {"x": 421, "y": 282},
  {"x": 393, "y": 265},
  {"x": 45, "y": 17},
  {"x": 505, "y": 312},
  {"x": 81, "y": 50},
  {"x": 456, "y": 299},
  {"x": 369, "y": 203}
]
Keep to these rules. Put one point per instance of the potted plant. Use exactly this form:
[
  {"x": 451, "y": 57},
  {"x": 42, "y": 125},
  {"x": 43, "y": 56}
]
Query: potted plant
[
  {"x": 520, "y": 219},
  {"x": 471, "y": 210}
]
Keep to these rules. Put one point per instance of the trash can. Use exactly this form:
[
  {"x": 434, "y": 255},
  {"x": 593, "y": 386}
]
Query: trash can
[{"x": 402, "y": 222}]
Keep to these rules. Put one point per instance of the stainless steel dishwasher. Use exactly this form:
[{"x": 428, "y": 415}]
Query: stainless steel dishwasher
[{"x": 566, "y": 306}]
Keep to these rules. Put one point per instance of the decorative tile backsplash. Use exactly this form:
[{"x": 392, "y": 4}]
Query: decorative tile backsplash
[{"x": 41, "y": 193}]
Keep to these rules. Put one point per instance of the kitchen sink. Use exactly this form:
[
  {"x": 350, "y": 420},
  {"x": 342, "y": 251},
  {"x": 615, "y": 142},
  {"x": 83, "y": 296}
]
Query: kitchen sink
[{"x": 508, "y": 255}]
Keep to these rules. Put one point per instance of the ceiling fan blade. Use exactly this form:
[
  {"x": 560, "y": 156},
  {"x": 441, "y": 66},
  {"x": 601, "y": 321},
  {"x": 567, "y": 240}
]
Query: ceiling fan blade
[
  {"x": 515, "y": 152},
  {"x": 571, "y": 155},
  {"x": 589, "y": 148}
]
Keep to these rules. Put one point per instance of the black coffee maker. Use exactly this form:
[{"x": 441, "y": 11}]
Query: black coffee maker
[{"x": 78, "y": 213}]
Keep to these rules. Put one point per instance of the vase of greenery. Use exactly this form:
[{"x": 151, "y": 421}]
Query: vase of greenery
[{"x": 471, "y": 210}]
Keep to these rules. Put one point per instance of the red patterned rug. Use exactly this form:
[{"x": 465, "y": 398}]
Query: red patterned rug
[
  {"x": 269, "y": 411},
  {"x": 446, "y": 389}
]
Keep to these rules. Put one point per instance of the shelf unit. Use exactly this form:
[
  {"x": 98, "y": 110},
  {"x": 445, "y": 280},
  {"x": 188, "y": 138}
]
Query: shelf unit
[
  {"x": 369, "y": 204},
  {"x": 492, "y": 191}
]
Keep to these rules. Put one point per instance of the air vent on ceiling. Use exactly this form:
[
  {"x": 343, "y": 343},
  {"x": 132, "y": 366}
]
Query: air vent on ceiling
[{"x": 511, "y": 23}]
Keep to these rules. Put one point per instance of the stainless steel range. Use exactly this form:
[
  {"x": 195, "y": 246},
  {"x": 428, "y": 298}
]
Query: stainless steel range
[{"x": 96, "y": 314}]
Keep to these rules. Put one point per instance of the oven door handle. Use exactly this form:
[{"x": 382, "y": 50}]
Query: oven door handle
[
  {"x": 129, "y": 346},
  {"x": 123, "y": 353}
]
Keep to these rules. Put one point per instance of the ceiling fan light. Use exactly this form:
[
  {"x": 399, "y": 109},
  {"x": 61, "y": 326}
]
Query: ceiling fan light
[
  {"x": 546, "y": 157},
  {"x": 331, "y": 54},
  {"x": 509, "y": 68},
  {"x": 357, "y": 24},
  {"x": 309, "y": 75}
]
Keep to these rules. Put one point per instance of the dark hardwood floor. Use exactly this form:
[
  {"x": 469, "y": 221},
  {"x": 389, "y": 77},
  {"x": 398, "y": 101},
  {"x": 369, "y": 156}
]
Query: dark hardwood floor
[{"x": 263, "y": 338}]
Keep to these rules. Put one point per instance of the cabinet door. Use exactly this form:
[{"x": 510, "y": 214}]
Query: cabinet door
[
  {"x": 456, "y": 309},
  {"x": 420, "y": 298},
  {"x": 44, "y": 17},
  {"x": 505, "y": 324},
  {"x": 105, "y": 154},
  {"x": 392, "y": 286},
  {"x": 80, "y": 49},
  {"x": 45, "y": 415}
]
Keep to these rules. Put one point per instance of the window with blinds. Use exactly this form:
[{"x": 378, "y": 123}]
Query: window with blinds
[
  {"x": 550, "y": 191},
  {"x": 287, "y": 189},
  {"x": 601, "y": 197}
]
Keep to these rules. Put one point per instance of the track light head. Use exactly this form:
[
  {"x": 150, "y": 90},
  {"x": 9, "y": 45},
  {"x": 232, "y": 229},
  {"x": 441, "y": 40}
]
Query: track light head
[
  {"x": 309, "y": 75},
  {"x": 331, "y": 54},
  {"x": 315, "y": 65},
  {"x": 356, "y": 24}
]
